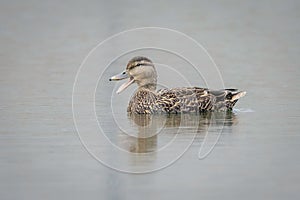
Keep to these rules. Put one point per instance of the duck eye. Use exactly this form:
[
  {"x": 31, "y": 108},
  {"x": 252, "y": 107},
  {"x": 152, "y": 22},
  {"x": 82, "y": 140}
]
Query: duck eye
[{"x": 124, "y": 73}]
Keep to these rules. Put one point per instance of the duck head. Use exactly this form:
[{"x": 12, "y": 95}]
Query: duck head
[{"x": 139, "y": 70}]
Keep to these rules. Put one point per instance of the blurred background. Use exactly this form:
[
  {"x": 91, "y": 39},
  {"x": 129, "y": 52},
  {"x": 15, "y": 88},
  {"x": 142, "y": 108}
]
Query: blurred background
[{"x": 256, "y": 46}]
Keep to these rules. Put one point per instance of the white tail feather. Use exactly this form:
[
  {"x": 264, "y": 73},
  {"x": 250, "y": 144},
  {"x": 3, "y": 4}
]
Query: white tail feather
[{"x": 238, "y": 95}]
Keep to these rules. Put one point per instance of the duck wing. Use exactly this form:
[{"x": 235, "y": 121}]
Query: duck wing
[
  {"x": 195, "y": 99},
  {"x": 187, "y": 99}
]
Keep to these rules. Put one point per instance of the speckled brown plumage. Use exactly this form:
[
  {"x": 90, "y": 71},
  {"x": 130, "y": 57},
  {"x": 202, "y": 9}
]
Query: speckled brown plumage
[
  {"x": 181, "y": 100},
  {"x": 146, "y": 100}
]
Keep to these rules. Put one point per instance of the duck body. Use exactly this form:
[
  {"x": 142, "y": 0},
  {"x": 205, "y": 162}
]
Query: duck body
[
  {"x": 183, "y": 100},
  {"x": 146, "y": 100}
]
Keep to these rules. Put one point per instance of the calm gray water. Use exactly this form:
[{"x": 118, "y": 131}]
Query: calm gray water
[{"x": 256, "y": 46}]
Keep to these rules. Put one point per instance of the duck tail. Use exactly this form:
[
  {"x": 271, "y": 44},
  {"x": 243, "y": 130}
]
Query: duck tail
[
  {"x": 237, "y": 95},
  {"x": 232, "y": 97}
]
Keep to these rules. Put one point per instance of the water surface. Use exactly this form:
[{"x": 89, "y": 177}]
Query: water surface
[{"x": 256, "y": 47}]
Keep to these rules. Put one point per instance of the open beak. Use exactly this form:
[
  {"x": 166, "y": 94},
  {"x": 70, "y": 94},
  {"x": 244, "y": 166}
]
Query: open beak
[{"x": 122, "y": 76}]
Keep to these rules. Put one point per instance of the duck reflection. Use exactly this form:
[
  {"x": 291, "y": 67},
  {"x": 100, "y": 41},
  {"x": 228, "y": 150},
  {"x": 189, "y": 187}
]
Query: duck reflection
[{"x": 151, "y": 127}]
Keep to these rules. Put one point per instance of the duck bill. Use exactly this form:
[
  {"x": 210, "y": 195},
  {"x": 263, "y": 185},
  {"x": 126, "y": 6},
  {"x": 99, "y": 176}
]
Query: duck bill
[
  {"x": 122, "y": 76},
  {"x": 125, "y": 85}
]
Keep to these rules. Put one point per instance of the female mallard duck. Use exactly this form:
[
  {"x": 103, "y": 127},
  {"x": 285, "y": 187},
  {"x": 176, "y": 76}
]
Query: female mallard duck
[{"x": 146, "y": 99}]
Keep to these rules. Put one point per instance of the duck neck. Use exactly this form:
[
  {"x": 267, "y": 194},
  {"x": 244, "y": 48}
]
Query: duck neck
[{"x": 149, "y": 86}]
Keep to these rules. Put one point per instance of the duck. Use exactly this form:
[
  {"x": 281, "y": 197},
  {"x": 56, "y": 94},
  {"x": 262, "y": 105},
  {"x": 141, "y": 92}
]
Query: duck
[{"x": 147, "y": 100}]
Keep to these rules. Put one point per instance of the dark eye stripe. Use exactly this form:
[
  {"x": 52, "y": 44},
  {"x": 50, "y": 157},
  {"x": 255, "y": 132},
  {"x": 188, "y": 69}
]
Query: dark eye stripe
[{"x": 137, "y": 64}]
